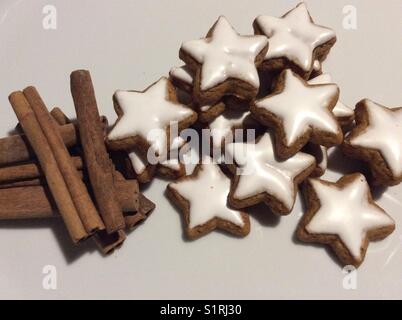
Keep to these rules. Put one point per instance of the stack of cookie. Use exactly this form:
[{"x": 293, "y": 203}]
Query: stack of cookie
[{"x": 271, "y": 82}]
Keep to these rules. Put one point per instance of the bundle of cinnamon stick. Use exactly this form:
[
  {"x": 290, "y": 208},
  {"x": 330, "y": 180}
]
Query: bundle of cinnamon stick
[{"x": 60, "y": 168}]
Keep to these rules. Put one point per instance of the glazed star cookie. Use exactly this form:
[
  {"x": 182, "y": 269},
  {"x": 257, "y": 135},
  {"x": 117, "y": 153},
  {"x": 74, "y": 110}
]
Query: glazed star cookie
[
  {"x": 202, "y": 198},
  {"x": 140, "y": 114},
  {"x": 344, "y": 216},
  {"x": 295, "y": 41},
  {"x": 320, "y": 153},
  {"x": 377, "y": 139},
  {"x": 343, "y": 113},
  {"x": 299, "y": 113},
  {"x": 224, "y": 63},
  {"x": 182, "y": 78},
  {"x": 262, "y": 177}
]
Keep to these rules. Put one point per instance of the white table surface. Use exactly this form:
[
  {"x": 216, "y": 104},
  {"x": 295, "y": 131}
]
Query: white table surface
[{"x": 128, "y": 45}]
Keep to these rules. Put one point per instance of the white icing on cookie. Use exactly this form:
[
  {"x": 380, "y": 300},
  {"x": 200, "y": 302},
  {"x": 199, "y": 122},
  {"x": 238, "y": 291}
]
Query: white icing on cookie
[
  {"x": 340, "y": 110},
  {"x": 205, "y": 108},
  {"x": 183, "y": 74},
  {"x": 138, "y": 162},
  {"x": 261, "y": 171},
  {"x": 207, "y": 194},
  {"x": 317, "y": 65},
  {"x": 222, "y": 126},
  {"x": 294, "y": 36},
  {"x": 300, "y": 107},
  {"x": 226, "y": 55},
  {"x": 384, "y": 133},
  {"x": 190, "y": 157},
  {"x": 347, "y": 213},
  {"x": 143, "y": 112},
  {"x": 321, "y": 153}
]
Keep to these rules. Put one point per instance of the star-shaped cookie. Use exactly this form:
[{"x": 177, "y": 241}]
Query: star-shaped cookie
[
  {"x": 145, "y": 118},
  {"x": 295, "y": 41},
  {"x": 343, "y": 113},
  {"x": 343, "y": 215},
  {"x": 299, "y": 113},
  {"x": 377, "y": 139},
  {"x": 224, "y": 63},
  {"x": 261, "y": 176},
  {"x": 202, "y": 197}
]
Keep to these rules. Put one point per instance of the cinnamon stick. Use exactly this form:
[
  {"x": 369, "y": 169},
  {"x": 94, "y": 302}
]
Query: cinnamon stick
[
  {"x": 27, "y": 203},
  {"x": 62, "y": 119},
  {"x": 78, "y": 191},
  {"x": 36, "y": 202},
  {"x": 57, "y": 185},
  {"x": 146, "y": 206},
  {"x": 59, "y": 116},
  {"x": 99, "y": 166},
  {"x": 23, "y": 183},
  {"x": 16, "y": 148},
  {"x": 28, "y": 171},
  {"x": 40, "y": 181},
  {"x": 107, "y": 243}
]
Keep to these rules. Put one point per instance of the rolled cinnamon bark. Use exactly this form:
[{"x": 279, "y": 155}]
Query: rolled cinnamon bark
[
  {"x": 16, "y": 148},
  {"x": 57, "y": 185},
  {"x": 59, "y": 116},
  {"x": 99, "y": 166},
  {"x": 24, "y": 183},
  {"x": 36, "y": 202},
  {"x": 62, "y": 119},
  {"x": 78, "y": 191},
  {"x": 28, "y": 171},
  {"x": 27, "y": 203},
  {"x": 40, "y": 181},
  {"x": 107, "y": 243},
  {"x": 145, "y": 208}
]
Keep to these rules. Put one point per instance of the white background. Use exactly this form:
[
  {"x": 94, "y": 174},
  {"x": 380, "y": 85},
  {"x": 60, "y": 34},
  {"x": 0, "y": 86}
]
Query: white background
[{"x": 130, "y": 44}]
